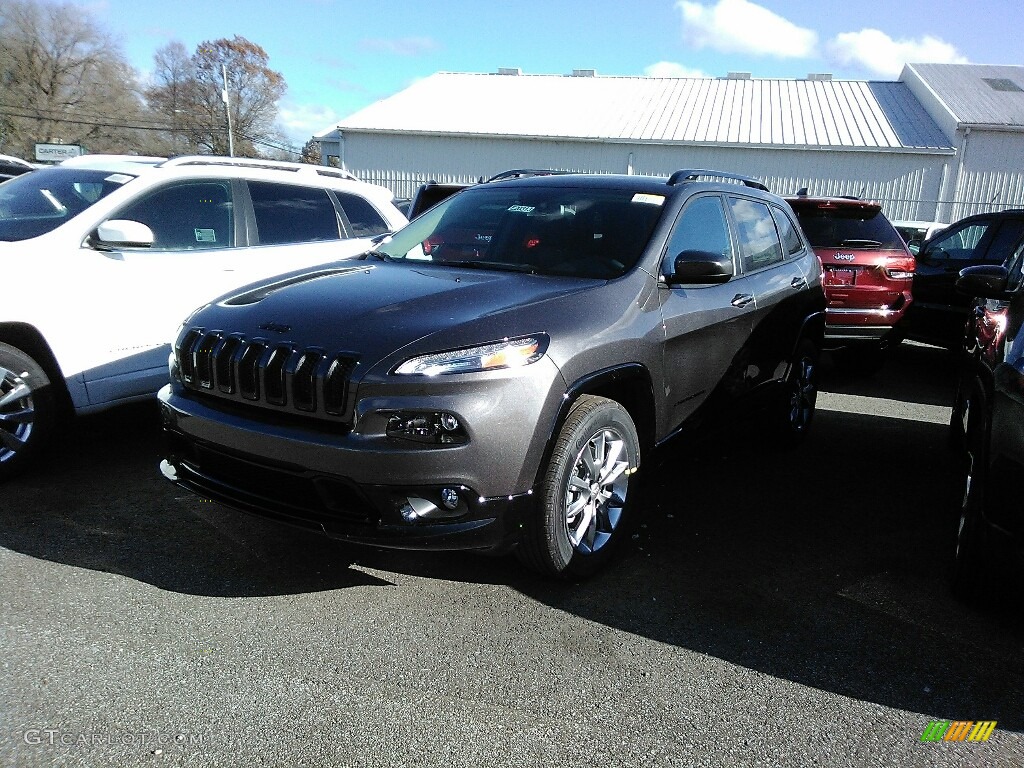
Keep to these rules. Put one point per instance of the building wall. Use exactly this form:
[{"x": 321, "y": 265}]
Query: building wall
[
  {"x": 906, "y": 183},
  {"x": 990, "y": 173}
]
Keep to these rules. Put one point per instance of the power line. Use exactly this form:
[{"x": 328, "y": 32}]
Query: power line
[{"x": 19, "y": 112}]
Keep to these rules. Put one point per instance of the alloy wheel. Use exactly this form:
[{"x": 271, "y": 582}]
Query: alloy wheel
[
  {"x": 17, "y": 414},
  {"x": 596, "y": 491}
]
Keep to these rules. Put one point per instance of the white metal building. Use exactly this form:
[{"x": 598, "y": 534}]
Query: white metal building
[{"x": 926, "y": 146}]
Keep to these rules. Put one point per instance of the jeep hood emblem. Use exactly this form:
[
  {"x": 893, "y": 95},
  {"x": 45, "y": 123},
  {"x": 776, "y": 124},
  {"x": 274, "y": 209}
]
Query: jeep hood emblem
[{"x": 274, "y": 327}]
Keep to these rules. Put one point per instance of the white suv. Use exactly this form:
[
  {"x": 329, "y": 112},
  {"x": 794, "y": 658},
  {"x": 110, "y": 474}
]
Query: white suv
[{"x": 105, "y": 255}]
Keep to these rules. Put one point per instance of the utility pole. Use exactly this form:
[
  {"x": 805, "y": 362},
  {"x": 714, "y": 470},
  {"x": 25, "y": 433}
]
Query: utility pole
[{"x": 227, "y": 108}]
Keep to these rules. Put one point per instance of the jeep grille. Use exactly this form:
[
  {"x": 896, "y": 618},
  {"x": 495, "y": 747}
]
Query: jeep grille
[{"x": 273, "y": 374}]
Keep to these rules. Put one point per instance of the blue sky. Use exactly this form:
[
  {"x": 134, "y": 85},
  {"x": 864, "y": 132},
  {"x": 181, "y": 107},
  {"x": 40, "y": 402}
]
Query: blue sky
[{"x": 338, "y": 56}]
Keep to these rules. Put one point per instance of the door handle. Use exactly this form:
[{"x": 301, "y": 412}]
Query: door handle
[
  {"x": 798, "y": 283},
  {"x": 741, "y": 299}
]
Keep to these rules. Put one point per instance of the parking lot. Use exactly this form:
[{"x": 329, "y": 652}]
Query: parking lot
[{"x": 771, "y": 609}]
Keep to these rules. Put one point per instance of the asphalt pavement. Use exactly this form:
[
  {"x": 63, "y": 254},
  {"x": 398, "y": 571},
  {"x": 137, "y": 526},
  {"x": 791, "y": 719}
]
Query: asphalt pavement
[{"x": 768, "y": 609}]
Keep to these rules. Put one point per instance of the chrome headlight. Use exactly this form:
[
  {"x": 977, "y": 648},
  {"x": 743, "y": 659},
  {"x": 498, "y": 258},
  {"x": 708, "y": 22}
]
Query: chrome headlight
[{"x": 507, "y": 353}]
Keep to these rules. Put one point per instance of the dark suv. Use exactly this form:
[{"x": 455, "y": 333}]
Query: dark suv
[
  {"x": 940, "y": 311},
  {"x": 988, "y": 425},
  {"x": 490, "y": 376},
  {"x": 867, "y": 275}
]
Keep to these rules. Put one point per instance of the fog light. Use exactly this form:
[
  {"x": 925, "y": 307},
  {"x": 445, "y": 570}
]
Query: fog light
[
  {"x": 450, "y": 498},
  {"x": 416, "y": 509},
  {"x": 435, "y": 427}
]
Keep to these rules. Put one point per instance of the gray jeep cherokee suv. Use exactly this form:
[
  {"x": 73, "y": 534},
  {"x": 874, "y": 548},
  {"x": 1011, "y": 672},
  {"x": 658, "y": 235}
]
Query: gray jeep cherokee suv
[{"x": 490, "y": 376}]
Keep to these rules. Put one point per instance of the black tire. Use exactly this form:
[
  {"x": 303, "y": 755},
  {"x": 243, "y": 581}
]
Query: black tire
[
  {"x": 860, "y": 359},
  {"x": 970, "y": 576},
  {"x": 792, "y": 421},
  {"x": 27, "y": 409},
  {"x": 580, "y": 516}
]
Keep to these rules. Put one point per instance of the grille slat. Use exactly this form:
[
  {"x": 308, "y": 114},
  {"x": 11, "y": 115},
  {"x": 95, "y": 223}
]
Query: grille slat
[
  {"x": 275, "y": 375},
  {"x": 249, "y": 369},
  {"x": 303, "y": 381},
  {"x": 224, "y": 365}
]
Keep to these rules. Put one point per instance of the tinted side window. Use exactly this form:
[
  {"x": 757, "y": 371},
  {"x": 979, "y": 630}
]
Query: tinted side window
[
  {"x": 1005, "y": 239},
  {"x": 1015, "y": 264},
  {"x": 758, "y": 238},
  {"x": 286, "y": 213},
  {"x": 791, "y": 242},
  {"x": 187, "y": 215},
  {"x": 702, "y": 226},
  {"x": 363, "y": 217},
  {"x": 959, "y": 244}
]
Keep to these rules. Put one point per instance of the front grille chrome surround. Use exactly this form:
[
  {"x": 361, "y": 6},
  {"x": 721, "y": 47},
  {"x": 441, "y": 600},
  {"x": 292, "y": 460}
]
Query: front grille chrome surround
[{"x": 276, "y": 375}]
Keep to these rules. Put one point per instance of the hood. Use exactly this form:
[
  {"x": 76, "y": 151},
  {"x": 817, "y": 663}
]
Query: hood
[{"x": 375, "y": 309}]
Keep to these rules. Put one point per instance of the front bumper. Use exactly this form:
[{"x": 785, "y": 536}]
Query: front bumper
[{"x": 403, "y": 496}]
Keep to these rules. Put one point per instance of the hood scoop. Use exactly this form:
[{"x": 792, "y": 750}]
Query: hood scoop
[{"x": 259, "y": 294}]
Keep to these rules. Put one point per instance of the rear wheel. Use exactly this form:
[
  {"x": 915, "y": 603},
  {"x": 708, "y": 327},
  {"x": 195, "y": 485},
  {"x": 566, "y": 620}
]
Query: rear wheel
[
  {"x": 27, "y": 409},
  {"x": 587, "y": 491},
  {"x": 796, "y": 411}
]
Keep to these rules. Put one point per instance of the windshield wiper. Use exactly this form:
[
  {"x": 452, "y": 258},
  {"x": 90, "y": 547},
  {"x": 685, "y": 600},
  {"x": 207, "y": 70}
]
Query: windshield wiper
[
  {"x": 854, "y": 243},
  {"x": 500, "y": 266}
]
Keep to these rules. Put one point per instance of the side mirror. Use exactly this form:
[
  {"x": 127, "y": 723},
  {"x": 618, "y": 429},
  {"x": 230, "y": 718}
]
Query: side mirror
[
  {"x": 987, "y": 281},
  {"x": 123, "y": 233},
  {"x": 700, "y": 267}
]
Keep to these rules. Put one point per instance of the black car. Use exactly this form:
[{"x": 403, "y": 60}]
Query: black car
[
  {"x": 12, "y": 166},
  {"x": 490, "y": 376},
  {"x": 988, "y": 426},
  {"x": 939, "y": 311}
]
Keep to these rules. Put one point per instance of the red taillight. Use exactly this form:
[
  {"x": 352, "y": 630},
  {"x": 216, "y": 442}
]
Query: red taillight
[{"x": 430, "y": 244}]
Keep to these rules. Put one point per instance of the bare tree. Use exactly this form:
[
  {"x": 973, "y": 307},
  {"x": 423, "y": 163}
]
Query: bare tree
[
  {"x": 64, "y": 80},
  {"x": 188, "y": 93}
]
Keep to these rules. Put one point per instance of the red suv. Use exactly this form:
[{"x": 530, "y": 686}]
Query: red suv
[{"x": 868, "y": 271}]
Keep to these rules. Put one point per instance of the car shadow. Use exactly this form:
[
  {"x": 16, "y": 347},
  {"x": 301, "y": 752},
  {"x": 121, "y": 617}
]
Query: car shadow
[
  {"x": 97, "y": 500},
  {"x": 912, "y": 373},
  {"x": 823, "y": 566}
]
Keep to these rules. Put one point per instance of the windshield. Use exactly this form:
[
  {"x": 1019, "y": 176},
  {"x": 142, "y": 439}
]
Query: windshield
[
  {"x": 38, "y": 202},
  {"x": 544, "y": 230},
  {"x": 848, "y": 228}
]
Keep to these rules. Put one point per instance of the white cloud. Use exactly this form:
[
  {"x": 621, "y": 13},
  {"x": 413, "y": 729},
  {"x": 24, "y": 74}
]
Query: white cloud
[
  {"x": 739, "y": 26},
  {"x": 879, "y": 54},
  {"x": 301, "y": 121},
  {"x": 672, "y": 69},
  {"x": 405, "y": 46}
]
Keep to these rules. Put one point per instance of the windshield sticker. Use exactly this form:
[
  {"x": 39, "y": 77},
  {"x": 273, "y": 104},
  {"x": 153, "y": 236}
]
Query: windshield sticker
[
  {"x": 646, "y": 199},
  {"x": 206, "y": 236},
  {"x": 119, "y": 178},
  {"x": 521, "y": 208}
]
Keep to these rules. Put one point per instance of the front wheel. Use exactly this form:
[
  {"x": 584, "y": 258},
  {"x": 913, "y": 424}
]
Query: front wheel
[
  {"x": 587, "y": 491},
  {"x": 27, "y": 409}
]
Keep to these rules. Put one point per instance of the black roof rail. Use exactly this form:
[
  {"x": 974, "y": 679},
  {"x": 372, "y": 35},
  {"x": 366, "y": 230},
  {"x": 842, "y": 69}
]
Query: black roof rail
[
  {"x": 693, "y": 174},
  {"x": 519, "y": 173}
]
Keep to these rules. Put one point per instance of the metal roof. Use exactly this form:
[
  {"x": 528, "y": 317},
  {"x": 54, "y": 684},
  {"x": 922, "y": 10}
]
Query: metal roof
[
  {"x": 815, "y": 113},
  {"x": 977, "y": 94}
]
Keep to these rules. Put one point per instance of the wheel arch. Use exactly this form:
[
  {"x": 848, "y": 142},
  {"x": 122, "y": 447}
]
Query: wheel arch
[
  {"x": 630, "y": 385},
  {"x": 28, "y": 339}
]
